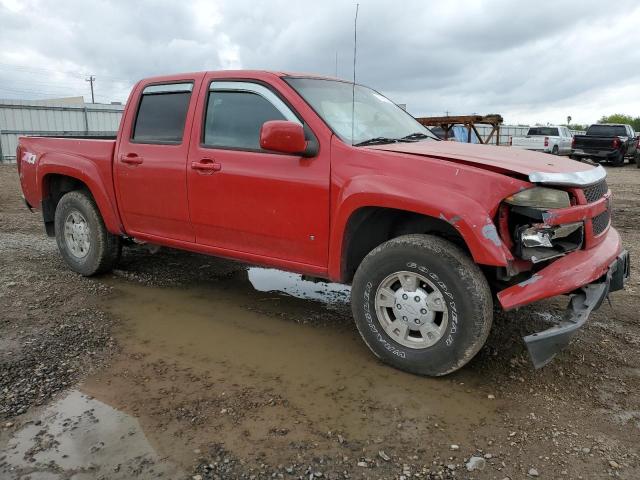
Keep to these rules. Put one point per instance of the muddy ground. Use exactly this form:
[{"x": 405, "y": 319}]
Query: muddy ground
[{"x": 184, "y": 366}]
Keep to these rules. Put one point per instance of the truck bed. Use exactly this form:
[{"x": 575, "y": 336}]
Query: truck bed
[{"x": 96, "y": 154}]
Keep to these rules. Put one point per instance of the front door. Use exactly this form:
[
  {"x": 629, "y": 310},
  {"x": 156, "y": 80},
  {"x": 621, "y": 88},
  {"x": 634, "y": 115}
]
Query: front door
[
  {"x": 248, "y": 200},
  {"x": 151, "y": 161}
]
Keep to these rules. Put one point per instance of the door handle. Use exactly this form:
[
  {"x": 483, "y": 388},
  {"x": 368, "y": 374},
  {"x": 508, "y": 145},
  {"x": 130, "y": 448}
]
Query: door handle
[
  {"x": 131, "y": 159},
  {"x": 206, "y": 165}
]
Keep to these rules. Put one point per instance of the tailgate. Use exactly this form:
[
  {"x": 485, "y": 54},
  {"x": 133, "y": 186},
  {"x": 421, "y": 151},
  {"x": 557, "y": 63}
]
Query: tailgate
[
  {"x": 531, "y": 143},
  {"x": 586, "y": 142}
]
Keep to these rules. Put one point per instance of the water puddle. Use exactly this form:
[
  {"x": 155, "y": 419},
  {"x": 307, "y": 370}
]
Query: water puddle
[
  {"x": 270, "y": 280},
  {"x": 263, "y": 351},
  {"x": 78, "y": 438}
]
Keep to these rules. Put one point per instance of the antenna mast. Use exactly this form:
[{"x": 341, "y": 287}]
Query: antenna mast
[{"x": 353, "y": 88}]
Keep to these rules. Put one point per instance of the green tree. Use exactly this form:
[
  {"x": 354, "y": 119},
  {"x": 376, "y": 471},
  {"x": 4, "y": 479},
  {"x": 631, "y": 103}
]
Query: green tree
[{"x": 622, "y": 118}]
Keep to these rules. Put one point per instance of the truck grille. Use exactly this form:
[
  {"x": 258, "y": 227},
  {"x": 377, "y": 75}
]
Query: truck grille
[
  {"x": 595, "y": 192},
  {"x": 601, "y": 221}
]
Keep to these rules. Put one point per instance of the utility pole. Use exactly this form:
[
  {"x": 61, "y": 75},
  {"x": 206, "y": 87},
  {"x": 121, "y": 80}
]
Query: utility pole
[{"x": 91, "y": 79}]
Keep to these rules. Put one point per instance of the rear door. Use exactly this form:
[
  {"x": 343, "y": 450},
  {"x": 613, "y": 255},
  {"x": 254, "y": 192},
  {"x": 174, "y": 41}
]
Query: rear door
[
  {"x": 565, "y": 140},
  {"x": 248, "y": 200},
  {"x": 151, "y": 160},
  {"x": 632, "y": 142}
]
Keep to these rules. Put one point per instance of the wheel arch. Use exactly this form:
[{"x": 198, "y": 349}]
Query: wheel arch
[
  {"x": 64, "y": 173},
  {"x": 363, "y": 224}
]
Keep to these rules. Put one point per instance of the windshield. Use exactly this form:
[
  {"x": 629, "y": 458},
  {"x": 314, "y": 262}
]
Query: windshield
[
  {"x": 544, "y": 131},
  {"x": 376, "y": 118},
  {"x": 607, "y": 130}
]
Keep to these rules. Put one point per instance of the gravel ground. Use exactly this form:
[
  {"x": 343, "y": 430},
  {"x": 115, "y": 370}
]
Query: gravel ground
[{"x": 293, "y": 393}]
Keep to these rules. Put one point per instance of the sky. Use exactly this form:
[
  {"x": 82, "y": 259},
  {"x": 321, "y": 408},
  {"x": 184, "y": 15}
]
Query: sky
[{"x": 531, "y": 62}]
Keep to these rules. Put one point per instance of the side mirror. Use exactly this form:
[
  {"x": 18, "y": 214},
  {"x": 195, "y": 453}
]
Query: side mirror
[{"x": 283, "y": 136}]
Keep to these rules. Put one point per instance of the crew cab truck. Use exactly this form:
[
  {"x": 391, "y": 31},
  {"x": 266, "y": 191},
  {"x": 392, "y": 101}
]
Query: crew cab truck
[
  {"x": 333, "y": 180},
  {"x": 554, "y": 139},
  {"x": 608, "y": 142}
]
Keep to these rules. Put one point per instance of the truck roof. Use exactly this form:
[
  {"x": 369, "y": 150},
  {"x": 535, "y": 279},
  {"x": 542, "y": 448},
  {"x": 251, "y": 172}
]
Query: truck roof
[{"x": 237, "y": 73}]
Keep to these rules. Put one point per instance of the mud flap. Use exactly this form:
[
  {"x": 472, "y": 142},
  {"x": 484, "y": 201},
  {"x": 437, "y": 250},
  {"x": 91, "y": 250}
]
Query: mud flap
[{"x": 544, "y": 346}]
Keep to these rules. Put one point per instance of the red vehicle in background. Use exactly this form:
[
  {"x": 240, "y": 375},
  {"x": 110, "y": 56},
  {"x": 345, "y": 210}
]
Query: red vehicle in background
[{"x": 321, "y": 177}]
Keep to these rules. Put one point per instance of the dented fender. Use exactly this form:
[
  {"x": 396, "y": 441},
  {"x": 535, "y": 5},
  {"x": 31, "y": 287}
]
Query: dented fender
[{"x": 471, "y": 219}]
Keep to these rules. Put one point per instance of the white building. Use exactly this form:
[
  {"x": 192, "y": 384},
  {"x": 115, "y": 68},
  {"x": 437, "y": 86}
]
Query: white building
[{"x": 58, "y": 117}]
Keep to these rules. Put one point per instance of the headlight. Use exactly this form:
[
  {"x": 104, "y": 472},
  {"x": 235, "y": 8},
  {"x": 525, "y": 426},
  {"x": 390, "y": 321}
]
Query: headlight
[{"x": 540, "y": 197}]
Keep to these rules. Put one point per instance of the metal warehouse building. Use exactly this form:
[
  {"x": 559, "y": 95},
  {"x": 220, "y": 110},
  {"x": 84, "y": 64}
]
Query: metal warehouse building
[{"x": 61, "y": 117}]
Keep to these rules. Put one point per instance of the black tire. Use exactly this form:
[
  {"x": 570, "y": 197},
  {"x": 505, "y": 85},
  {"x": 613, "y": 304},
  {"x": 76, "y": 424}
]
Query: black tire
[
  {"x": 555, "y": 150},
  {"x": 618, "y": 160},
  {"x": 461, "y": 283},
  {"x": 635, "y": 159},
  {"x": 104, "y": 249}
]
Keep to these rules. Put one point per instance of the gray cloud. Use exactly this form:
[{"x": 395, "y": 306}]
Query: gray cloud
[{"x": 531, "y": 62}]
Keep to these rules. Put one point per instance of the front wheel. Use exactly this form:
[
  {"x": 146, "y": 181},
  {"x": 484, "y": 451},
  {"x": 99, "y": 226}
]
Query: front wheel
[
  {"x": 422, "y": 305},
  {"x": 83, "y": 241}
]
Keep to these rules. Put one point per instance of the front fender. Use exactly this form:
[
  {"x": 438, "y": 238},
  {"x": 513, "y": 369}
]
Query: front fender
[
  {"x": 98, "y": 181},
  {"x": 470, "y": 218}
]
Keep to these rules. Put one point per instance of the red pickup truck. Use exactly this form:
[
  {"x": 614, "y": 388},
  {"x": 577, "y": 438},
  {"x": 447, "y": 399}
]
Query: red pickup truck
[{"x": 333, "y": 180}]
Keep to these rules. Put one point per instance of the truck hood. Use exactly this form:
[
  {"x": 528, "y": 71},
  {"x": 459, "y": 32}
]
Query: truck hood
[{"x": 537, "y": 167}]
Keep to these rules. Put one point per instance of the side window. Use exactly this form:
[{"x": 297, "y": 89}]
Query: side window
[
  {"x": 162, "y": 113},
  {"x": 237, "y": 110}
]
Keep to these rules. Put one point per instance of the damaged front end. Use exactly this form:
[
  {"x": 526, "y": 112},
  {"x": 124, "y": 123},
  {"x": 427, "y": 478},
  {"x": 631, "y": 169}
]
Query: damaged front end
[
  {"x": 544, "y": 346},
  {"x": 562, "y": 242},
  {"x": 533, "y": 238}
]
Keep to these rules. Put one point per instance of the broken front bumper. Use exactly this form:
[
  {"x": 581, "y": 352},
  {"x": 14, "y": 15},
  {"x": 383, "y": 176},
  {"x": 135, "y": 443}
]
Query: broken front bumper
[
  {"x": 588, "y": 275},
  {"x": 544, "y": 346}
]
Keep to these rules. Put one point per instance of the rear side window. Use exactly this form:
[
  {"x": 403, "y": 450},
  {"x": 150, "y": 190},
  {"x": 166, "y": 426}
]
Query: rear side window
[
  {"x": 234, "y": 119},
  {"x": 162, "y": 113}
]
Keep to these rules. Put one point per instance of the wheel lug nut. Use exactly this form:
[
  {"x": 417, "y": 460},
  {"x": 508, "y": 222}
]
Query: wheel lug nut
[
  {"x": 416, "y": 298},
  {"x": 404, "y": 318},
  {"x": 399, "y": 307},
  {"x": 417, "y": 322},
  {"x": 405, "y": 296},
  {"x": 423, "y": 311}
]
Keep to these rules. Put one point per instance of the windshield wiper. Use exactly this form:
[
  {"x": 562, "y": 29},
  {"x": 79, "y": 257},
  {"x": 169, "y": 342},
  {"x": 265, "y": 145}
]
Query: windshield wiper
[
  {"x": 376, "y": 141},
  {"x": 415, "y": 136}
]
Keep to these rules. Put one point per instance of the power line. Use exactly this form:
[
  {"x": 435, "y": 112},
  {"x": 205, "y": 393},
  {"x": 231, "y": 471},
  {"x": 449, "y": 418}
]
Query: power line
[{"x": 45, "y": 70}]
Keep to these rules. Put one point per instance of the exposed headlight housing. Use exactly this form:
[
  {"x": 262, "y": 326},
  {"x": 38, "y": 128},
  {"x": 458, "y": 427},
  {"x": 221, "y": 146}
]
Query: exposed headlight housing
[
  {"x": 538, "y": 243},
  {"x": 541, "y": 198}
]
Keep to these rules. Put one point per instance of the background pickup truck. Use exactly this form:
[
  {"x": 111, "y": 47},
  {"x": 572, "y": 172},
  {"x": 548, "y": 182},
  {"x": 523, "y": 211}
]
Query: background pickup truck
[
  {"x": 610, "y": 142},
  {"x": 332, "y": 180},
  {"x": 555, "y": 140}
]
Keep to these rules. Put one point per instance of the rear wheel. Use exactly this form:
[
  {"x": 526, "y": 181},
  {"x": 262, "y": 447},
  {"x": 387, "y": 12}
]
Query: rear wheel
[
  {"x": 618, "y": 160},
  {"x": 422, "y": 305},
  {"x": 83, "y": 241},
  {"x": 555, "y": 150}
]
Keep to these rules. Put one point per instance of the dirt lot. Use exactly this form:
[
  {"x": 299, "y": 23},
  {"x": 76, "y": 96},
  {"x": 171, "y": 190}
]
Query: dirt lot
[{"x": 183, "y": 366}]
